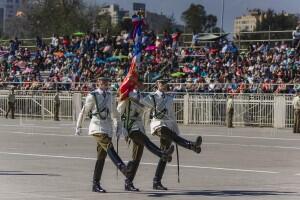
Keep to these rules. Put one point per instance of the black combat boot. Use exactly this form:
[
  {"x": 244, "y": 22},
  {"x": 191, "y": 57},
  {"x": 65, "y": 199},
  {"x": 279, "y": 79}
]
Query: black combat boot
[
  {"x": 158, "y": 175},
  {"x": 130, "y": 187},
  {"x": 158, "y": 186},
  {"x": 131, "y": 168},
  {"x": 117, "y": 161},
  {"x": 196, "y": 146},
  {"x": 97, "y": 187}
]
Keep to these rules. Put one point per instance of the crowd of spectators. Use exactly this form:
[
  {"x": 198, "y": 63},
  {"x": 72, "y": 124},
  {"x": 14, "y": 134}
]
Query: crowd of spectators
[{"x": 74, "y": 63}]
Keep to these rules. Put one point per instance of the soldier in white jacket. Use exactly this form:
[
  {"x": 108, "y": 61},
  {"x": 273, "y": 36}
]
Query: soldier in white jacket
[
  {"x": 100, "y": 103},
  {"x": 132, "y": 121},
  {"x": 163, "y": 124}
]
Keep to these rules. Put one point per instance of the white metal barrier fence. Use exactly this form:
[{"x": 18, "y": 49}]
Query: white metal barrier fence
[
  {"x": 36, "y": 104},
  {"x": 264, "y": 110}
]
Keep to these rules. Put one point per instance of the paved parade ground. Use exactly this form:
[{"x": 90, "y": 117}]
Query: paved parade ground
[{"x": 41, "y": 160}]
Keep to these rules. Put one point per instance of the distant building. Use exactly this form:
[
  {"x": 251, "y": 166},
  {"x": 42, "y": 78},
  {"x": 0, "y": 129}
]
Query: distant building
[
  {"x": 248, "y": 22},
  {"x": 298, "y": 16},
  {"x": 114, "y": 12}
]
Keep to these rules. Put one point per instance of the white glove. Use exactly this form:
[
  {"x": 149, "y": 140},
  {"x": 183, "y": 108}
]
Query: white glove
[{"x": 78, "y": 131}]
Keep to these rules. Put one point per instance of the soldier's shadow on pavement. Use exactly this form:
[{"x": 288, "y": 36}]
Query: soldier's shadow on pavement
[
  {"x": 21, "y": 173},
  {"x": 221, "y": 193}
]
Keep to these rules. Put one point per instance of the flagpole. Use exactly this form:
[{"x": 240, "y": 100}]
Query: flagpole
[
  {"x": 222, "y": 17},
  {"x": 131, "y": 78}
]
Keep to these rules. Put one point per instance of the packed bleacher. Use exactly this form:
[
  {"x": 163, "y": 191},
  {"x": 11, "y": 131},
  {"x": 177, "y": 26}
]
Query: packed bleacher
[{"x": 73, "y": 63}]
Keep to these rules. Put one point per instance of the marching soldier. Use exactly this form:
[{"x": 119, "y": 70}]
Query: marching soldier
[
  {"x": 229, "y": 111},
  {"x": 296, "y": 105},
  {"x": 11, "y": 104},
  {"x": 163, "y": 124},
  {"x": 132, "y": 115},
  {"x": 56, "y": 106},
  {"x": 100, "y": 103}
]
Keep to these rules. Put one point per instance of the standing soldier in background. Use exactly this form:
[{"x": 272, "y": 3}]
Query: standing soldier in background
[
  {"x": 11, "y": 104},
  {"x": 100, "y": 103},
  {"x": 229, "y": 111},
  {"x": 56, "y": 106},
  {"x": 296, "y": 105}
]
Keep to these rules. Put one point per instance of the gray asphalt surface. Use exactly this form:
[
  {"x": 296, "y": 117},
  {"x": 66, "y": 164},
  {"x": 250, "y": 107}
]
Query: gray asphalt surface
[{"x": 43, "y": 160}]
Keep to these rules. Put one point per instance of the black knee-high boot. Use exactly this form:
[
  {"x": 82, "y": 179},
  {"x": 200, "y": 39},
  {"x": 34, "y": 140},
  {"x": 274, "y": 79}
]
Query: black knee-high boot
[
  {"x": 195, "y": 146},
  {"x": 158, "y": 175},
  {"x": 164, "y": 155},
  {"x": 132, "y": 165},
  {"x": 117, "y": 160},
  {"x": 97, "y": 176}
]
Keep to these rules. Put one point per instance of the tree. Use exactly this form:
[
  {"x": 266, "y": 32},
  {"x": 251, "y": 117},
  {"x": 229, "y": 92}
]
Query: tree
[
  {"x": 160, "y": 22},
  {"x": 196, "y": 19},
  {"x": 170, "y": 24},
  {"x": 58, "y": 16},
  {"x": 126, "y": 24},
  {"x": 17, "y": 26},
  {"x": 103, "y": 23}
]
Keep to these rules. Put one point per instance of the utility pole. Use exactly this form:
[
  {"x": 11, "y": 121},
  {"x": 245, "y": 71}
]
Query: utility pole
[
  {"x": 222, "y": 17},
  {"x": 95, "y": 16}
]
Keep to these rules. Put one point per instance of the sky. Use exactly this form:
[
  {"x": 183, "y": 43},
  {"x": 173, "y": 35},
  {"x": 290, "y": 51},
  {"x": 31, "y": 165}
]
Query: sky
[{"x": 232, "y": 8}]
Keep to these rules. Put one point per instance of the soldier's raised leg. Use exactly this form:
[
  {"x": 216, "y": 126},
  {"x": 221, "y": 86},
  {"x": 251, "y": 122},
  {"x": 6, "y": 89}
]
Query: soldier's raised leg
[{"x": 194, "y": 146}]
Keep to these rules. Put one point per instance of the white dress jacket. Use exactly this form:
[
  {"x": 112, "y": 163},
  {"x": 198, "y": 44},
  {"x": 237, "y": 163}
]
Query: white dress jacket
[
  {"x": 162, "y": 111},
  {"x": 101, "y": 122},
  {"x": 132, "y": 114}
]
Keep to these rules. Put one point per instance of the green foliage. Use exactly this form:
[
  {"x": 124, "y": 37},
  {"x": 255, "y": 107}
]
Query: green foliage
[
  {"x": 103, "y": 23},
  {"x": 62, "y": 17},
  {"x": 197, "y": 20},
  {"x": 160, "y": 22},
  {"x": 46, "y": 17}
]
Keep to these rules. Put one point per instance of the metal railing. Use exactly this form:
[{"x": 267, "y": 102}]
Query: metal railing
[
  {"x": 289, "y": 114},
  {"x": 186, "y": 38},
  {"x": 265, "y": 36},
  {"x": 37, "y": 104},
  {"x": 149, "y": 87},
  {"x": 262, "y": 110}
]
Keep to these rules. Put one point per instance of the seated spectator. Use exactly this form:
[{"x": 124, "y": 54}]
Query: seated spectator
[{"x": 281, "y": 88}]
